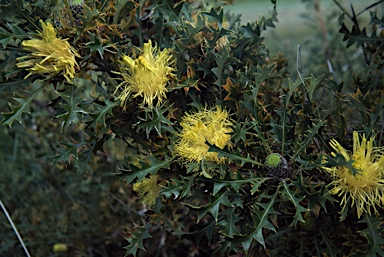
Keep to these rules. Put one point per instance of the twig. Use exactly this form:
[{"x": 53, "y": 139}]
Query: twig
[
  {"x": 14, "y": 228},
  {"x": 300, "y": 70}
]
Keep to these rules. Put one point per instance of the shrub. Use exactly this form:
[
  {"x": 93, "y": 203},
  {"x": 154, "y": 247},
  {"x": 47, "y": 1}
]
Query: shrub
[{"x": 227, "y": 152}]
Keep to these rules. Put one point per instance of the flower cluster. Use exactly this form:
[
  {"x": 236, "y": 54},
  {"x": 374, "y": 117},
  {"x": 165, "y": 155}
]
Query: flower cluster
[
  {"x": 212, "y": 125},
  {"x": 365, "y": 189},
  {"x": 147, "y": 76},
  {"x": 49, "y": 55}
]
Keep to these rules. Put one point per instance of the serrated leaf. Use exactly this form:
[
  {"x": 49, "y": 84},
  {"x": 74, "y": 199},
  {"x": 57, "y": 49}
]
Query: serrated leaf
[
  {"x": 372, "y": 233},
  {"x": 213, "y": 16},
  {"x": 240, "y": 133},
  {"x": 308, "y": 137},
  {"x": 98, "y": 116},
  {"x": 235, "y": 184},
  {"x": 206, "y": 229},
  {"x": 229, "y": 223},
  {"x": 155, "y": 120},
  {"x": 136, "y": 240},
  {"x": 124, "y": 7},
  {"x": 66, "y": 153},
  {"x": 261, "y": 75},
  {"x": 150, "y": 166},
  {"x": 290, "y": 195},
  {"x": 212, "y": 206},
  {"x": 17, "y": 111},
  {"x": 313, "y": 84},
  {"x": 339, "y": 161},
  {"x": 70, "y": 116},
  {"x": 95, "y": 44},
  {"x": 222, "y": 61},
  {"x": 319, "y": 196},
  {"x": 232, "y": 157},
  {"x": 261, "y": 221},
  {"x": 178, "y": 188}
]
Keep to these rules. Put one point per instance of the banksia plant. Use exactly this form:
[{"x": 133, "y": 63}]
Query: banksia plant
[
  {"x": 215, "y": 147},
  {"x": 363, "y": 186},
  {"x": 211, "y": 125},
  {"x": 49, "y": 55},
  {"x": 147, "y": 76}
]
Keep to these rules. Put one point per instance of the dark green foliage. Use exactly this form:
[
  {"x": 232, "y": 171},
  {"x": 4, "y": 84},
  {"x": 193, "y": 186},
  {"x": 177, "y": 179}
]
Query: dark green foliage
[{"x": 236, "y": 206}]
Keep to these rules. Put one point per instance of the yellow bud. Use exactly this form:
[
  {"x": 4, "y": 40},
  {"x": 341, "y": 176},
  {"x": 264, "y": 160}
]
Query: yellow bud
[{"x": 59, "y": 248}]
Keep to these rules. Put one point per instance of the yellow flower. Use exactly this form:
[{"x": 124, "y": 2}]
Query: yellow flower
[
  {"x": 147, "y": 76},
  {"x": 148, "y": 190},
  {"x": 212, "y": 125},
  {"x": 49, "y": 55},
  {"x": 365, "y": 189}
]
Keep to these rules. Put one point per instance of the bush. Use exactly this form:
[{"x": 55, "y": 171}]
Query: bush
[{"x": 220, "y": 147}]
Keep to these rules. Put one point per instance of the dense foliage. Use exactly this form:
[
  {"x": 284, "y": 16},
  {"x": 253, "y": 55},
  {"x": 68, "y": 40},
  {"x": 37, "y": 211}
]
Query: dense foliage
[{"x": 223, "y": 149}]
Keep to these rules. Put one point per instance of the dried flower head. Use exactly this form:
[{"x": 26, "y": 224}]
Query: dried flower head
[
  {"x": 147, "y": 76},
  {"x": 212, "y": 125},
  {"x": 364, "y": 189},
  {"x": 49, "y": 55},
  {"x": 148, "y": 190}
]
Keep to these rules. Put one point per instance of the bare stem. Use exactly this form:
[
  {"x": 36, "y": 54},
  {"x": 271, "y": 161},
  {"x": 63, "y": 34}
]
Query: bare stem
[{"x": 14, "y": 229}]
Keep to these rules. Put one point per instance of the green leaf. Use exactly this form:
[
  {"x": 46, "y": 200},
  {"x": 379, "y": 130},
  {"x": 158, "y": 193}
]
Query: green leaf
[
  {"x": 261, "y": 221},
  {"x": 137, "y": 236},
  {"x": 229, "y": 223},
  {"x": 213, "y": 16},
  {"x": 98, "y": 116},
  {"x": 67, "y": 152},
  {"x": 150, "y": 166},
  {"x": 290, "y": 195},
  {"x": 95, "y": 45},
  {"x": 231, "y": 156},
  {"x": 222, "y": 61},
  {"x": 284, "y": 127},
  {"x": 240, "y": 133},
  {"x": 206, "y": 229},
  {"x": 154, "y": 119},
  {"x": 261, "y": 75},
  {"x": 70, "y": 116},
  {"x": 308, "y": 137},
  {"x": 318, "y": 196},
  {"x": 339, "y": 161},
  {"x": 235, "y": 184},
  {"x": 124, "y": 7},
  {"x": 329, "y": 244},
  {"x": 178, "y": 188},
  {"x": 373, "y": 234},
  {"x": 212, "y": 206},
  {"x": 313, "y": 84},
  {"x": 17, "y": 111},
  {"x": 171, "y": 10}
]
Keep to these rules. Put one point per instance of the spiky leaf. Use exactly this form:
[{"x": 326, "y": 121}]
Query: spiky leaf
[
  {"x": 18, "y": 110},
  {"x": 373, "y": 234},
  {"x": 290, "y": 195},
  {"x": 150, "y": 166},
  {"x": 137, "y": 236}
]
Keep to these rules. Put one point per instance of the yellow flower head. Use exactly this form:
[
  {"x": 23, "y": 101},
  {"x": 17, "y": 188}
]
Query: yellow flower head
[
  {"x": 147, "y": 76},
  {"x": 148, "y": 190},
  {"x": 365, "y": 189},
  {"x": 49, "y": 55},
  {"x": 212, "y": 125}
]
